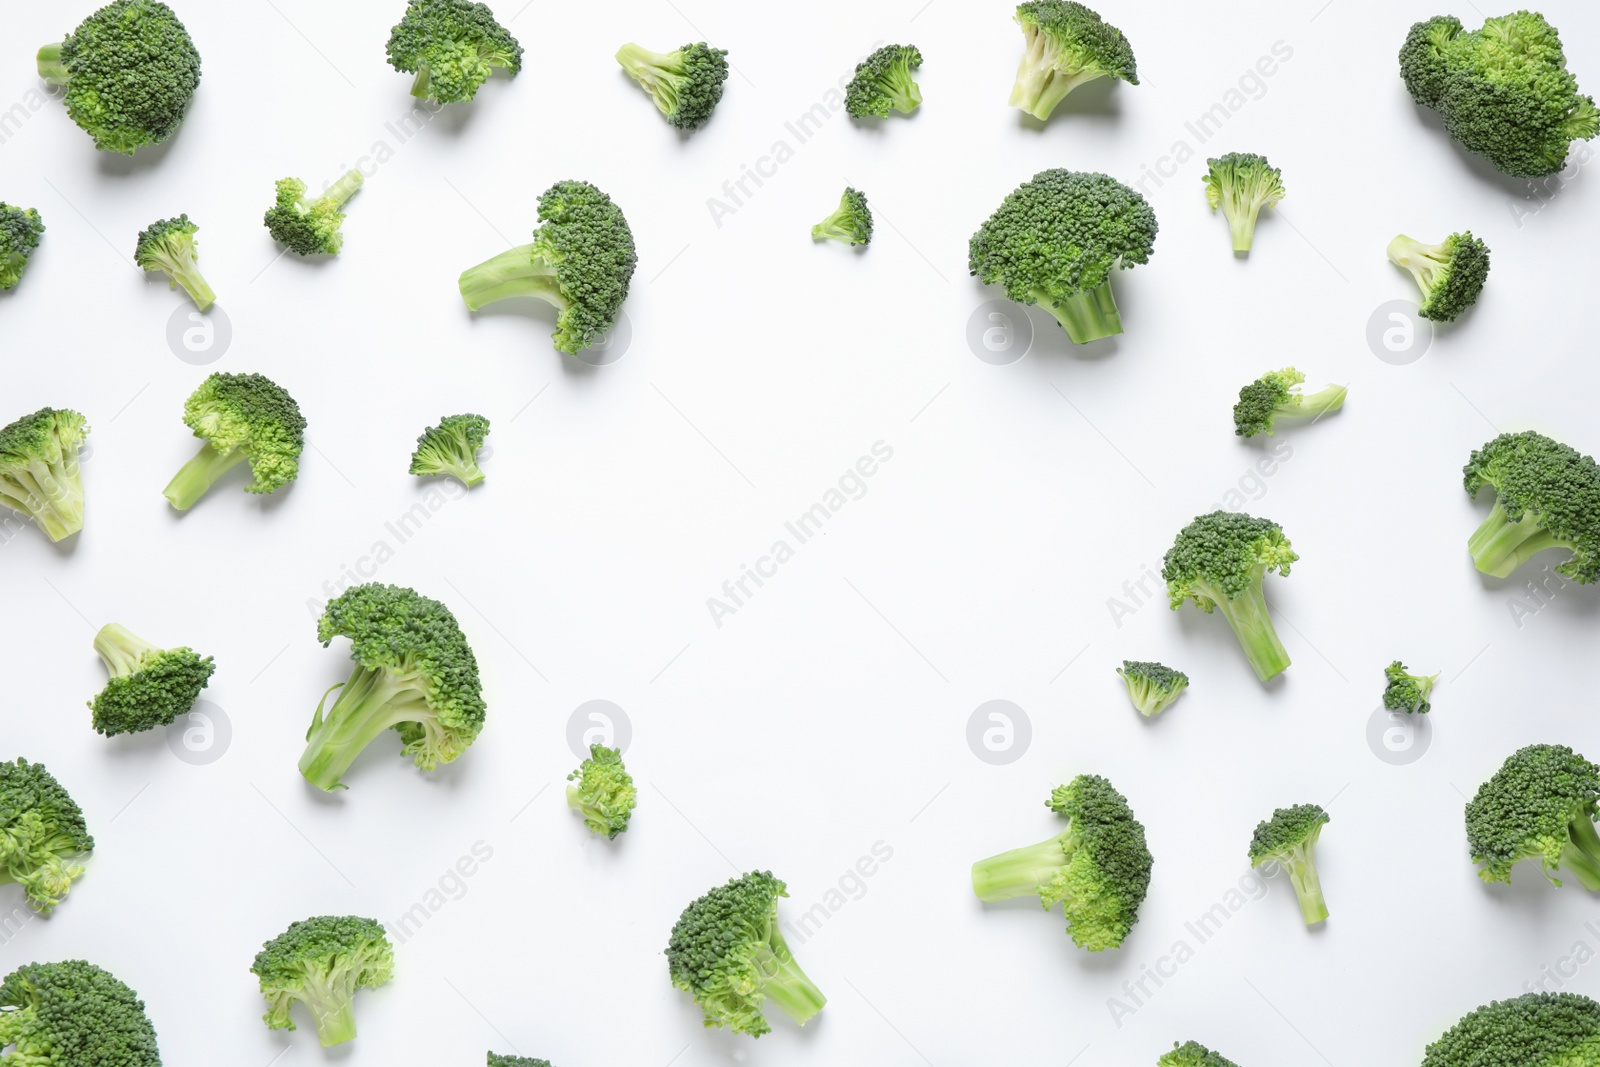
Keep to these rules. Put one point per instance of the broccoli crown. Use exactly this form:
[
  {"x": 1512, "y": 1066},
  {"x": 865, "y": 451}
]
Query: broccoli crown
[
  {"x": 1450, "y": 274},
  {"x": 1503, "y": 90},
  {"x": 851, "y": 221},
  {"x": 452, "y": 448},
  {"x": 39, "y": 472},
  {"x": 1289, "y": 831},
  {"x": 19, "y": 236},
  {"x": 73, "y": 1014},
  {"x": 1540, "y": 805},
  {"x": 1405, "y": 691},
  {"x": 130, "y": 71},
  {"x": 1533, "y": 1030},
  {"x": 515, "y": 1061},
  {"x": 1276, "y": 394},
  {"x": 883, "y": 83},
  {"x": 149, "y": 686},
  {"x": 169, "y": 246},
  {"x": 1193, "y": 1054},
  {"x": 605, "y": 794},
  {"x": 451, "y": 46},
  {"x": 1066, "y": 45},
  {"x": 1547, "y": 495},
  {"x": 1151, "y": 686},
  {"x": 41, "y": 831},
  {"x": 321, "y": 962},
  {"x": 686, "y": 83},
  {"x": 311, "y": 226},
  {"x": 251, "y": 414},
  {"x": 1222, "y": 556}
]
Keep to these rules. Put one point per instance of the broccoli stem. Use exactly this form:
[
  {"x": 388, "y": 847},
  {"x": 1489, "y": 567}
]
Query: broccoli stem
[
  {"x": 1242, "y": 222},
  {"x": 372, "y": 701},
  {"x": 421, "y": 84},
  {"x": 516, "y": 272},
  {"x": 1582, "y": 853},
  {"x": 199, "y": 475},
  {"x": 121, "y": 649},
  {"x": 654, "y": 71},
  {"x": 195, "y": 285},
  {"x": 45, "y": 491},
  {"x": 1319, "y": 403},
  {"x": 1019, "y": 872},
  {"x": 1040, "y": 86},
  {"x": 344, "y": 188},
  {"x": 51, "y": 68},
  {"x": 785, "y": 984},
  {"x": 1499, "y": 546},
  {"x": 1307, "y": 886},
  {"x": 1087, "y": 315},
  {"x": 1252, "y": 625},
  {"x": 336, "y": 1026}
]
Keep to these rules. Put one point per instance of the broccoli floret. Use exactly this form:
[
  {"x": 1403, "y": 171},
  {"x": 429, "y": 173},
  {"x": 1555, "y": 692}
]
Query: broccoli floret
[
  {"x": 1540, "y": 805},
  {"x": 39, "y": 473},
  {"x": 321, "y": 962},
  {"x": 686, "y": 83},
  {"x": 1407, "y": 692},
  {"x": 414, "y": 673},
  {"x": 883, "y": 83},
  {"x": 452, "y": 448},
  {"x": 851, "y": 222},
  {"x": 149, "y": 686},
  {"x": 1097, "y": 869},
  {"x": 1503, "y": 91},
  {"x": 19, "y": 236},
  {"x": 73, "y": 1014},
  {"x": 604, "y": 795},
  {"x": 305, "y": 226},
  {"x": 452, "y": 46},
  {"x": 1151, "y": 686},
  {"x": 130, "y": 71},
  {"x": 1450, "y": 274},
  {"x": 169, "y": 247},
  {"x": 1193, "y": 1054},
  {"x": 1221, "y": 560},
  {"x": 1276, "y": 395},
  {"x": 1533, "y": 1030},
  {"x": 1289, "y": 839},
  {"x": 515, "y": 1061},
  {"x": 1066, "y": 45},
  {"x": 1057, "y": 239},
  {"x": 42, "y": 836},
  {"x": 240, "y": 416},
  {"x": 727, "y": 952},
  {"x": 581, "y": 261},
  {"x": 1547, "y": 495},
  {"x": 1241, "y": 184}
]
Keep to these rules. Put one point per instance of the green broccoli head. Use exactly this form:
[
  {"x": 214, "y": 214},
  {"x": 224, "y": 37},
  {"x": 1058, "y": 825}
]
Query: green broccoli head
[
  {"x": 1193, "y": 1054},
  {"x": 1151, "y": 686},
  {"x": 1533, "y": 1030},
  {"x": 73, "y": 1014},
  {"x": 1066, "y": 45},
  {"x": 308, "y": 226},
  {"x": 452, "y": 46},
  {"x": 452, "y": 448},
  {"x": 515, "y": 1061},
  {"x": 1057, "y": 239},
  {"x": 883, "y": 83},
  {"x": 851, "y": 222},
  {"x": 1220, "y": 561},
  {"x": 129, "y": 70},
  {"x": 604, "y": 795},
  {"x": 39, "y": 473},
  {"x": 321, "y": 962},
  {"x": 1450, "y": 274},
  {"x": 19, "y": 236},
  {"x": 1097, "y": 869},
  {"x": 42, "y": 836},
  {"x": 581, "y": 261},
  {"x": 169, "y": 247},
  {"x": 1547, "y": 495},
  {"x": 1540, "y": 805},
  {"x": 1407, "y": 692},
  {"x": 686, "y": 83},
  {"x": 1503, "y": 91},
  {"x": 1241, "y": 184},
  {"x": 1289, "y": 839},
  {"x": 727, "y": 952},
  {"x": 1276, "y": 395},
  {"x": 241, "y": 417},
  {"x": 149, "y": 686}
]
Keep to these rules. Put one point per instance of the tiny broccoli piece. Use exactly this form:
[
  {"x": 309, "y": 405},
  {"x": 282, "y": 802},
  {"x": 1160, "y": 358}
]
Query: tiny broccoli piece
[
  {"x": 39, "y": 473},
  {"x": 1547, "y": 495},
  {"x": 1097, "y": 869},
  {"x": 240, "y": 416},
  {"x": 452, "y": 46},
  {"x": 129, "y": 70},
  {"x": 73, "y": 1014},
  {"x": 604, "y": 795},
  {"x": 1450, "y": 274},
  {"x": 1533, "y": 1030},
  {"x": 686, "y": 83},
  {"x": 1193, "y": 1054},
  {"x": 1241, "y": 184},
  {"x": 1151, "y": 686},
  {"x": 169, "y": 247},
  {"x": 42, "y": 836},
  {"x": 1407, "y": 692},
  {"x": 515, "y": 1061},
  {"x": 1066, "y": 45},
  {"x": 581, "y": 261},
  {"x": 851, "y": 221},
  {"x": 452, "y": 448},
  {"x": 1220, "y": 561},
  {"x": 1276, "y": 395},
  {"x": 1540, "y": 805},
  {"x": 321, "y": 962},
  {"x": 149, "y": 686},
  {"x": 1289, "y": 839},
  {"x": 883, "y": 83},
  {"x": 306, "y": 226},
  {"x": 727, "y": 952},
  {"x": 19, "y": 236}
]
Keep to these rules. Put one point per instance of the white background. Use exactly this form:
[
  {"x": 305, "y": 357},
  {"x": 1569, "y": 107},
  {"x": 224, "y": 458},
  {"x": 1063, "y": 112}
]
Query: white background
[{"x": 829, "y": 713}]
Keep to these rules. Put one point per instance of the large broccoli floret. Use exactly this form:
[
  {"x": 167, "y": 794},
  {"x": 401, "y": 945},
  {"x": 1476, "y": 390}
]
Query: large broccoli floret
[
  {"x": 149, "y": 686},
  {"x": 581, "y": 261},
  {"x": 414, "y": 673},
  {"x": 241, "y": 416},
  {"x": 1220, "y": 561},
  {"x": 452, "y": 46},
  {"x": 19, "y": 236},
  {"x": 1540, "y": 805},
  {"x": 1547, "y": 495},
  {"x": 686, "y": 83},
  {"x": 1057, "y": 239},
  {"x": 452, "y": 448},
  {"x": 1405, "y": 691},
  {"x": 727, "y": 952},
  {"x": 169, "y": 247},
  {"x": 605, "y": 795},
  {"x": 1504, "y": 91},
  {"x": 73, "y": 1014},
  {"x": 1097, "y": 869},
  {"x": 1066, "y": 45},
  {"x": 1450, "y": 274},
  {"x": 39, "y": 473},
  {"x": 1241, "y": 184},
  {"x": 883, "y": 83},
  {"x": 1533, "y": 1030},
  {"x": 1151, "y": 686},
  {"x": 130, "y": 71},
  {"x": 310, "y": 226},
  {"x": 851, "y": 221},
  {"x": 1193, "y": 1054},
  {"x": 321, "y": 962},
  {"x": 42, "y": 837},
  {"x": 1276, "y": 395},
  {"x": 515, "y": 1061},
  {"x": 1289, "y": 839}
]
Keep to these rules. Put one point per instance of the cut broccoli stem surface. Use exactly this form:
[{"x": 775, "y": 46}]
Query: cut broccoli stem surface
[
  {"x": 789, "y": 987},
  {"x": 1019, "y": 872},
  {"x": 371, "y": 702},
  {"x": 1499, "y": 546},
  {"x": 512, "y": 273},
  {"x": 199, "y": 474},
  {"x": 1252, "y": 625},
  {"x": 51, "y": 68},
  {"x": 1087, "y": 315}
]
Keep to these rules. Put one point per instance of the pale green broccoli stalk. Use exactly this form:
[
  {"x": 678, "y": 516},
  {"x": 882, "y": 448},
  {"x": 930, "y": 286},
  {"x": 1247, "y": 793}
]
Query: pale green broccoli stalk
[
  {"x": 1241, "y": 184},
  {"x": 1533, "y": 1030},
  {"x": 149, "y": 687},
  {"x": 1449, "y": 274},
  {"x": 1547, "y": 495},
  {"x": 686, "y": 83},
  {"x": 321, "y": 962},
  {"x": 310, "y": 226},
  {"x": 1151, "y": 686},
  {"x": 1289, "y": 839},
  {"x": 1405, "y": 691},
  {"x": 883, "y": 83},
  {"x": 452, "y": 448},
  {"x": 605, "y": 795},
  {"x": 73, "y": 1014},
  {"x": 1220, "y": 561},
  {"x": 851, "y": 221},
  {"x": 43, "y": 835},
  {"x": 1276, "y": 395},
  {"x": 20, "y": 229},
  {"x": 1065, "y": 46},
  {"x": 1193, "y": 1054},
  {"x": 1540, "y": 805},
  {"x": 452, "y": 46},
  {"x": 169, "y": 247},
  {"x": 39, "y": 473},
  {"x": 241, "y": 417}
]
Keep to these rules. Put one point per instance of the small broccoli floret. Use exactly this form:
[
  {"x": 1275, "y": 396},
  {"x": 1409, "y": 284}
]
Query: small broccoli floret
[
  {"x": 169, "y": 247},
  {"x": 1540, "y": 805},
  {"x": 1097, "y": 869},
  {"x": 19, "y": 236},
  {"x": 1066, "y": 45},
  {"x": 604, "y": 795},
  {"x": 73, "y": 1014},
  {"x": 1407, "y": 692},
  {"x": 1220, "y": 561},
  {"x": 727, "y": 952},
  {"x": 581, "y": 261},
  {"x": 1152, "y": 687},
  {"x": 1547, "y": 495},
  {"x": 1241, "y": 184},
  {"x": 39, "y": 473},
  {"x": 1193, "y": 1054},
  {"x": 686, "y": 83},
  {"x": 306, "y": 226},
  {"x": 452, "y": 46},
  {"x": 130, "y": 71},
  {"x": 321, "y": 962},
  {"x": 241, "y": 416},
  {"x": 42, "y": 836},
  {"x": 452, "y": 448},
  {"x": 1057, "y": 239},
  {"x": 1533, "y": 1030},
  {"x": 1276, "y": 395},
  {"x": 1289, "y": 839},
  {"x": 851, "y": 222},
  {"x": 149, "y": 686},
  {"x": 515, "y": 1061},
  {"x": 1450, "y": 274},
  {"x": 883, "y": 83}
]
